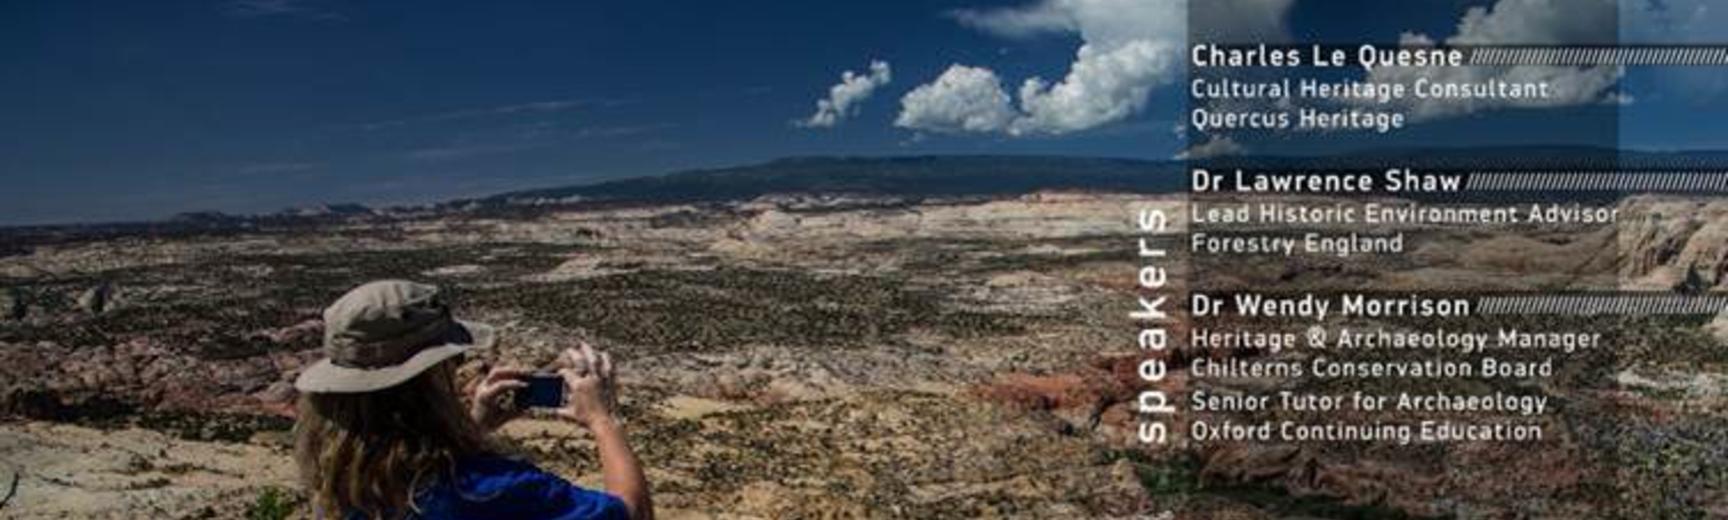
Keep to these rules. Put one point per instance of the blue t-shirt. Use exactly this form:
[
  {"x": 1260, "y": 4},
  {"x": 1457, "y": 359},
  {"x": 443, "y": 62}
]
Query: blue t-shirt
[{"x": 497, "y": 487}]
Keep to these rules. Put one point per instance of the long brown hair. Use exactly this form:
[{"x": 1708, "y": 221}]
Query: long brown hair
[{"x": 370, "y": 452}]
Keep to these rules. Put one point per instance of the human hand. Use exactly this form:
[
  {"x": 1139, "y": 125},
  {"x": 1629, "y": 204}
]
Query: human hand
[
  {"x": 491, "y": 406},
  {"x": 590, "y": 393}
]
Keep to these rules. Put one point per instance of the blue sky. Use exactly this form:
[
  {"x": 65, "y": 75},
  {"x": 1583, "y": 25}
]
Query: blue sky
[
  {"x": 131, "y": 110},
  {"x": 125, "y": 110}
]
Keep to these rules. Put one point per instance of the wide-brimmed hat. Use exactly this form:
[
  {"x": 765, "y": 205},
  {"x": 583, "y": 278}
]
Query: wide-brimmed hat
[{"x": 386, "y": 332}]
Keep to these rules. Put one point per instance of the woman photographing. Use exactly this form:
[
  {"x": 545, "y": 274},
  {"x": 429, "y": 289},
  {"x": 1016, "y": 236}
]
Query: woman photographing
[{"x": 382, "y": 432}]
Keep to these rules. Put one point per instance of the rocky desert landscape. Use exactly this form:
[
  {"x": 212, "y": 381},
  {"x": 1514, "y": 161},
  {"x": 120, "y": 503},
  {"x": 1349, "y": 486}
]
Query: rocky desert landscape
[
  {"x": 798, "y": 357},
  {"x": 829, "y": 356}
]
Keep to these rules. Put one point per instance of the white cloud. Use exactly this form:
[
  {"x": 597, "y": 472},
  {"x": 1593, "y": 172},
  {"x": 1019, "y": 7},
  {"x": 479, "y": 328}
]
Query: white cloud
[
  {"x": 963, "y": 99},
  {"x": 845, "y": 97},
  {"x": 1018, "y": 23},
  {"x": 1130, "y": 47},
  {"x": 1105, "y": 85},
  {"x": 1518, "y": 22}
]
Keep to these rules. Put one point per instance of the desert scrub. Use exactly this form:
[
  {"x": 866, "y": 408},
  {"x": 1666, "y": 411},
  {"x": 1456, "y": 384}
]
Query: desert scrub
[
  {"x": 725, "y": 308},
  {"x": 273, "y": 503},
  {"x": 212, "y": 426},
  {"x": 1174, "y": 476},
  {"x": 217, "y": 306},
  {"x": 1667, "y": 467}
]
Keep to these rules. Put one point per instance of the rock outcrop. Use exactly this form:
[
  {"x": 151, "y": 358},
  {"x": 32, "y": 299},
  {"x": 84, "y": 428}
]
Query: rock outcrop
[{"x": 1670, "y": 242}]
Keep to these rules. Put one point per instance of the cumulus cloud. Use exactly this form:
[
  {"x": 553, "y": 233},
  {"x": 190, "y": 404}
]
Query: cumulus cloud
[
  {"x": 1105, "y": 85},
  {"x": 1129, "y": 47},
  {"x": 845, "y": 97},
  {"x": 1518, "y": 22},
  {"x": 963, "y": 99}
]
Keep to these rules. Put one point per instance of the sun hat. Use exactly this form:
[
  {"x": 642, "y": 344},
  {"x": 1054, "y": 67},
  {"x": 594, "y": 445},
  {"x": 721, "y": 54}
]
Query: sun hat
[{"x": 385, "y": 332}]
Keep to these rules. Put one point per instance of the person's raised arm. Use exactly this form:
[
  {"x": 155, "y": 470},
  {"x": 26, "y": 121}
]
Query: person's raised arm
[{"x": 591, "y": 403}]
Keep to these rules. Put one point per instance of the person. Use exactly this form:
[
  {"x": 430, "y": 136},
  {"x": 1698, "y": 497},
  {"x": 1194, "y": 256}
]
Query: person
[{"x": 381, "y": 431}]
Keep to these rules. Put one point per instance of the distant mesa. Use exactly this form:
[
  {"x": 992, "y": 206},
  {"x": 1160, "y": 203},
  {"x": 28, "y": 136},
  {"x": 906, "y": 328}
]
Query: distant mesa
[
  {"x": 197, "y": 217},
  {"x": 908, "y": 178},
  {"x": 313, "y": 211},
  {"x": 912, "y": 177},
  {"x": 995, "y": 175},
  {"x": 329, "y": 210}
]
